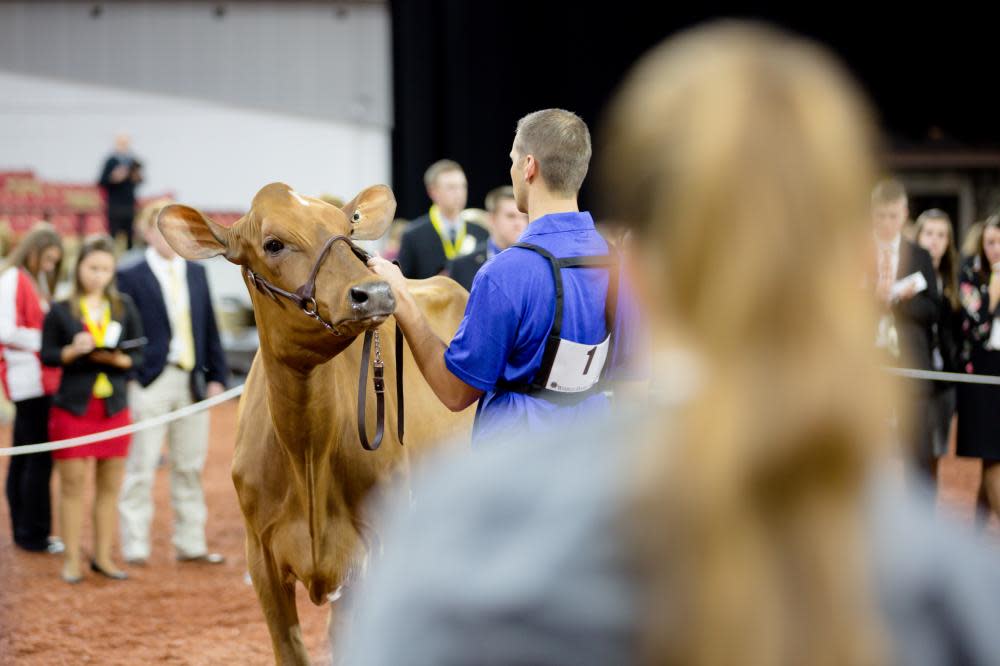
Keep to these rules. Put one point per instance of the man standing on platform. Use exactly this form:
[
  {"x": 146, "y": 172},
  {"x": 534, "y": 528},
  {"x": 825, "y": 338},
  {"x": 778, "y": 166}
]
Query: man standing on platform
[{"x": 120, "y": 175}]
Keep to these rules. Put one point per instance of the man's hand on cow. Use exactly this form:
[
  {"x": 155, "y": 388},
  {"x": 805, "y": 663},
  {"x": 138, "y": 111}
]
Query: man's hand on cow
[
  {"x": 390, "y": 272},
  {"x": 213, "y": 389}
]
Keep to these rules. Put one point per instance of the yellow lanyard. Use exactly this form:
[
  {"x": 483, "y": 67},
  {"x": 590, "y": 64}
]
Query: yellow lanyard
[
  {"x": 102, "y": 387},
  {"x": 451, "y": 250}
]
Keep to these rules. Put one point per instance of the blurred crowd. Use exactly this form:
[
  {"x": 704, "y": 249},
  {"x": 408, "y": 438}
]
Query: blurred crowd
[
  {"x": 744, "y": 515},
  {"x": 114, "y": 339}
]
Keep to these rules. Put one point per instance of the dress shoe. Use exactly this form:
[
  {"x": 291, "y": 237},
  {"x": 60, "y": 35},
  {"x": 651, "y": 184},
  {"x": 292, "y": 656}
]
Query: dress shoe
[
  {"x": 55, "y": 546},
  {"x": 72, "y": 580},
  {"x": 113, "y": 575},
  {"x": 207, "y": 558}
]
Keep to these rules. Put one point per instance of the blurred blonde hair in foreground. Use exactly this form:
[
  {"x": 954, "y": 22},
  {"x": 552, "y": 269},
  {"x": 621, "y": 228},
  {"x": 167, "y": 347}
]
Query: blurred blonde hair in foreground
[{"x": 742, "y": 158}]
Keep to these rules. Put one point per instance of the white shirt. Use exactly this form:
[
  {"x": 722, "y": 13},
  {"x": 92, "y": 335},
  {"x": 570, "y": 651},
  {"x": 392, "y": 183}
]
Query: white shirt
[
  {"x": 451, "y": 228},
  {"x": 893, "y": 247},
  {"x": 161, "y": 269}
]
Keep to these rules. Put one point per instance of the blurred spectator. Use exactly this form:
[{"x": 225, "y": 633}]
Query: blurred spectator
[
  {"x": 333, "y": 200},
  {"x": 120, "y": 176},
  {"x": 936, "y": 235},
  {"x": 906, "y": 290},
  {"x": 978, "y": 405},
  {"x": 971, "y": 241},
  {"x": 184, "y": 363},
  {"x": 393, "y": 237},
  {"x": 506, "y": 225},
  {"x": 432, "y": 240},
  {"x": 735, "y": 523},
  {"x": 95, "y": 336},
  {"x": 27, "y": 280}
]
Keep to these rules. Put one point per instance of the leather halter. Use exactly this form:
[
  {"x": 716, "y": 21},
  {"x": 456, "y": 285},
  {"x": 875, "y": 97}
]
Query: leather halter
[{"x": 305, "y": 298}]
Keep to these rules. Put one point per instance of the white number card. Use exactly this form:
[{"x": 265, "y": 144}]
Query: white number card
[{"x": 577, "y": 367}]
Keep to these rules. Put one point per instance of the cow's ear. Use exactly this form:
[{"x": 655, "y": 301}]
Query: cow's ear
[
  {"x": 370, "y": 213},
  {"x": 191, "y": 234}
]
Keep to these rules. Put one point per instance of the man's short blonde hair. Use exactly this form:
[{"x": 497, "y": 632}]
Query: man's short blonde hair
[
  {"x": 888, "y": 191},
  {"x": 498, "y": 194},
  {"x": 435, "y": 170},
  {"x": 560, "y": 141},
  {"x": 147, "y": 217}
]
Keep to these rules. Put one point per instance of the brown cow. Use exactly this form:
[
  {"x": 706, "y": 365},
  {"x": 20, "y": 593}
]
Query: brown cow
[{"x": 300, "y": 472}]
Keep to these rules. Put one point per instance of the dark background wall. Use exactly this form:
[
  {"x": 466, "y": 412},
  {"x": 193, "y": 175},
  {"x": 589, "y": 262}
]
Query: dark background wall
[{"x": 464, "y": 72}]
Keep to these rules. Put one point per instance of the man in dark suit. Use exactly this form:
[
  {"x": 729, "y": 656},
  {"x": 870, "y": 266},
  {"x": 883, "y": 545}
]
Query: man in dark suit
[
  {"x": 441, "y": 235},
  {"x": 120, "y": 175},
  {"x": 507, "y": 224},
  {"x": 906, "y": 291},
  {"x": 183, "y": 362}
]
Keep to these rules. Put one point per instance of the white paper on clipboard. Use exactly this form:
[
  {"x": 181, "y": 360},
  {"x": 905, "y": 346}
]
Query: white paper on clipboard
[
  {"x": 112, "y": 334},
  {"x": 916, "y": 279}
]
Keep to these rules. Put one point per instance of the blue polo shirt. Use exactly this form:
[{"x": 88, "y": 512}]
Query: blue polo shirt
[{"x": 509, "y": 315}]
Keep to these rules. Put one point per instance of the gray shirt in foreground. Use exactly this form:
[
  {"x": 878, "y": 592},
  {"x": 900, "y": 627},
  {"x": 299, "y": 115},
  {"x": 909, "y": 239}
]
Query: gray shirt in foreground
[{"x": 513, "y": 555}]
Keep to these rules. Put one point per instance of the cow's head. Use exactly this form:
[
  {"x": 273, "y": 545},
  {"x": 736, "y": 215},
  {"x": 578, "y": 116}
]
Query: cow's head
[{"x": 280, "y": 239}]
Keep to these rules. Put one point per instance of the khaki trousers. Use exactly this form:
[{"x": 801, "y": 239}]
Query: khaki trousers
[{"x": 187, "y": 440}]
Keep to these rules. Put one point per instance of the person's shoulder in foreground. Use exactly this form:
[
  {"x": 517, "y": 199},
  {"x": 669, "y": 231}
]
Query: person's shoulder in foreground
[
  {"x": 517, "y": 555},
  {"x": 485, "y": 578}
]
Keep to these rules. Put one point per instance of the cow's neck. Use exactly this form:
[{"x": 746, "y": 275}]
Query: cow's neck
[{"x": 300, "y": 399}]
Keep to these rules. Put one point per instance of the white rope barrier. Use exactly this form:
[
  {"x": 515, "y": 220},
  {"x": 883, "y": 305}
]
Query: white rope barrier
[
  {"x": 181, "y": 413},
  {"x": 957, "y": 377},
  {"x": 238, "y": 390}
]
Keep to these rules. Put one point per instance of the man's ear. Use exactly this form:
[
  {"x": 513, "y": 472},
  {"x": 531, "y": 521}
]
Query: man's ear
[
  {"x": 370, "y": 213},
  {"x": 192, "y": 235}
]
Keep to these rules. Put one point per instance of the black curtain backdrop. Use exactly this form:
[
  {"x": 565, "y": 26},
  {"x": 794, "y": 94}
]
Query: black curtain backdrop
[{"x": 466, "y": 70}]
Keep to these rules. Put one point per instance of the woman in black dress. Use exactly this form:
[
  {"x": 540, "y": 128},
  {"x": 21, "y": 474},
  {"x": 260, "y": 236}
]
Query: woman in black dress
[
  {"x": 979, "y": 405},
  {"x": 934, "y": 234}
]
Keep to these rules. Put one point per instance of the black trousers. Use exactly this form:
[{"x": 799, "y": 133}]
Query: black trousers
[
  {"x": 121, "y": 222},
  {"x": 28, "y": 492}
]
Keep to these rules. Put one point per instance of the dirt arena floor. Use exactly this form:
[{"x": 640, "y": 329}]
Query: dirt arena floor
[
  {"x": 167, "y": 612},
  {"x": 176, "y": 613}
]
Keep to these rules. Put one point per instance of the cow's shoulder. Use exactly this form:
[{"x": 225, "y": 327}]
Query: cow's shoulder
[{"x": 440, "y": 298}]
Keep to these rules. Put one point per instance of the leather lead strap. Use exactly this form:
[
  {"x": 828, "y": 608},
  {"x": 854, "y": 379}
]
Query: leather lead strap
[
  {"x": 379, "y": 381},
  {"x": 399, "y": 382}
]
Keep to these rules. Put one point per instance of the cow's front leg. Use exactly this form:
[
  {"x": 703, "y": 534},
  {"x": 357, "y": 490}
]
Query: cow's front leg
[{"x": 277, "y": 599}]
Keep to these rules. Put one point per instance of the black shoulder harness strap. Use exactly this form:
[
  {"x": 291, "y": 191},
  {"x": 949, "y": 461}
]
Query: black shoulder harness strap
[{"x": 606, "y": 261}]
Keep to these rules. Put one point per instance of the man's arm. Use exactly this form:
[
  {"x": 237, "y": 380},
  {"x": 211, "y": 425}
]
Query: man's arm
[{"x": 428, "y": 349}]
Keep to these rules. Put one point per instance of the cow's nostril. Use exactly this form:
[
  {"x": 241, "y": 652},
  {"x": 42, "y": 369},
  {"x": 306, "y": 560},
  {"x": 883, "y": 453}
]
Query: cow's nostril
[{"x": 359, "y": 295}]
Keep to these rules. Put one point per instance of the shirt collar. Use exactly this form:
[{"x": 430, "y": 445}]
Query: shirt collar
[
  {"x": 159, "y": 264},
  {"x": 559, "y": 222},
  {"x": 889, "y": 245},
  {"x": 491, "y": 249}
]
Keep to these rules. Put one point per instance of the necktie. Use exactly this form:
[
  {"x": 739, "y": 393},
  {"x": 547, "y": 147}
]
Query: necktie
[
  {"x": 182, "y": 320},
  {"x": 885, "y": 276}
]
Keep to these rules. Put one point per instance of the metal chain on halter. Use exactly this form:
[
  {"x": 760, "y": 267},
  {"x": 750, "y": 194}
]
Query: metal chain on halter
[
  {"x": 378, "y": 350},
  {"x": 378, "y": 375}
]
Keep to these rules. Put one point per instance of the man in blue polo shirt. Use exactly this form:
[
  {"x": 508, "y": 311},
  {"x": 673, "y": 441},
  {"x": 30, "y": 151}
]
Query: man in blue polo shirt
[{"x": 531, "y": 353}]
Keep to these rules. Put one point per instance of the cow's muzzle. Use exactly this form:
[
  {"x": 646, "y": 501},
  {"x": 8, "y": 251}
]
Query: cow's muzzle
[{"x": 371, "y": 300}]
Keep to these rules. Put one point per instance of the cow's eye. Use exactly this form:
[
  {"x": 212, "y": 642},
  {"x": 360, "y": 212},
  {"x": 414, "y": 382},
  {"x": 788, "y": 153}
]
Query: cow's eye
[{"x": 273, "y": 246}]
